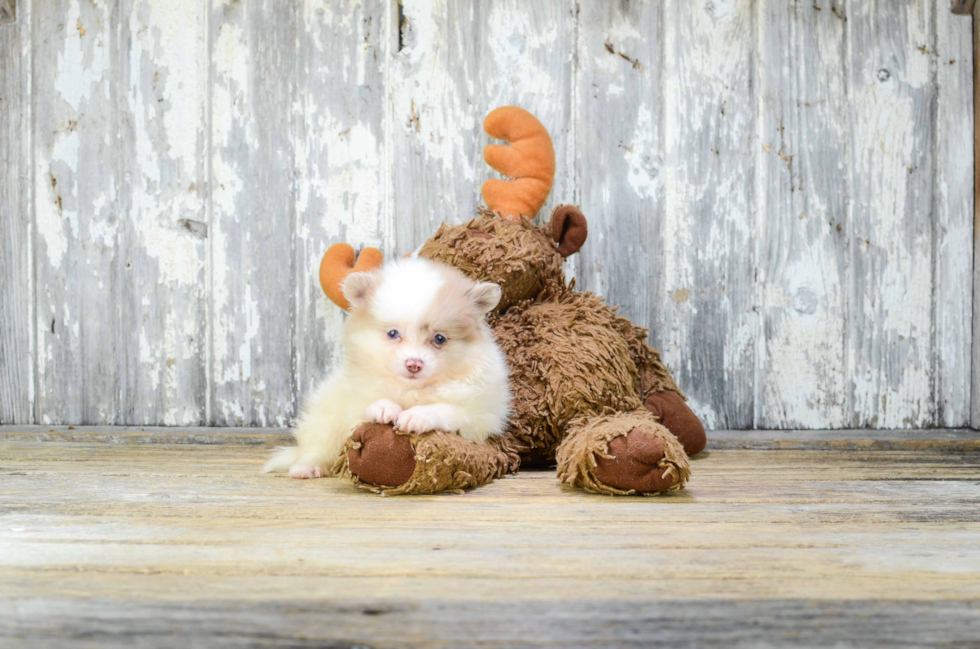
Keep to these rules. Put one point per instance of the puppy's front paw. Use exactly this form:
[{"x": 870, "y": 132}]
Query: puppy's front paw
[
  {"x": 383, "y": 411},
  {"x": 305, "y": 472},
  {"x": 420, "y": 419}
]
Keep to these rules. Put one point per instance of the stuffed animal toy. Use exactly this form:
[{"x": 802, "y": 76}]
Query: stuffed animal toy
[{"x": 590, "y": 394}]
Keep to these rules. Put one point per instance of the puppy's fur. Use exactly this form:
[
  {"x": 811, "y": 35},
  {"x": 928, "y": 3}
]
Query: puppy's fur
[{"x": 418, "y": 355}]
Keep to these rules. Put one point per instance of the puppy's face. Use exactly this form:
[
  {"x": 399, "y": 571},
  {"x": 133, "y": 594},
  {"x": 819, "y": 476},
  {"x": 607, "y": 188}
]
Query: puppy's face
[{"x": 416, "y": 320}]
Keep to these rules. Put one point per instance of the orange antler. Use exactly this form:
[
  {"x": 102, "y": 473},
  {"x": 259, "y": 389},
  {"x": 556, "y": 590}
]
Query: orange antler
[
  {"x": 529, "y": 163},
  {"x": 338, "y": 263}
]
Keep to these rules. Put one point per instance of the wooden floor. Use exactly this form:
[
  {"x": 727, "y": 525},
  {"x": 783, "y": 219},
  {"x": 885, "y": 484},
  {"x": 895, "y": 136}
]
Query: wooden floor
[{"x": 839, "y": 538}]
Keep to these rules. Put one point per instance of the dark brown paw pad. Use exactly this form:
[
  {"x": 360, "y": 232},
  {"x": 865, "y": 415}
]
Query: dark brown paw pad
[
  {"x": 381, "y": 456},
  {"x": 633, "y": 463},
  {"x": 674, "y": 413}
]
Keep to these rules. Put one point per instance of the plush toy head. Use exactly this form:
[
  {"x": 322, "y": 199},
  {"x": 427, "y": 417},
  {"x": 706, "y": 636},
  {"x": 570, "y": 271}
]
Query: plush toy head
[
  {"x": 517, "y": 255},
  {"x": 502, "y": 245}
]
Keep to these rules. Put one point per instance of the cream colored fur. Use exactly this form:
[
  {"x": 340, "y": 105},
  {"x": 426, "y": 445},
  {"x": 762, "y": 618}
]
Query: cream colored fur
[{"x": 462, "y": 386}]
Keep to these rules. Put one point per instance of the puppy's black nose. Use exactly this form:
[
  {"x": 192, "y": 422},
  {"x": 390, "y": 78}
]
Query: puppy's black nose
[{"x": 413, "y": 365}]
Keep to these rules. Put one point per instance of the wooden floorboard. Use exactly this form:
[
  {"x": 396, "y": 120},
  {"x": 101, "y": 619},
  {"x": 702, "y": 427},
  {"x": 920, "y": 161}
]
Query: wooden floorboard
[
  {"x": 953, "y": 439},
  {"x": 846, "y": 542}
]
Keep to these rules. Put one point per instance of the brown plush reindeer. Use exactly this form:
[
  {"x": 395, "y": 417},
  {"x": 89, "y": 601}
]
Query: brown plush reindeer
[{"x": 589, "y": 393}]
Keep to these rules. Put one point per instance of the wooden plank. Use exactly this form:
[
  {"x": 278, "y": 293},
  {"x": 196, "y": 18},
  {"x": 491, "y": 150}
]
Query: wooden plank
[
  {"x": 709, "y": 278},
  {"x": 619, "y": 138},
  {"x": 16, "y": 262},
  {"x": 890, "y": 226},
  {"x": 161, "y": 355},
  {"x": 452, "y": 64},
  {"x": 975, "y": 365},
  {"x": 452, "y": 623},
  {"x": 268, "y": 437},
  {"x": 104, "y": 543},
  {"x": 252, "y": 284},
  {"x": 951, "y": 440},
  {"x": 340, "y": 152},
  {"x": 8, "y": 11},
  {"x": 79, "y": 260},
  {"x": 802, "y": 209},
  {"x": 952, "y": 245}
]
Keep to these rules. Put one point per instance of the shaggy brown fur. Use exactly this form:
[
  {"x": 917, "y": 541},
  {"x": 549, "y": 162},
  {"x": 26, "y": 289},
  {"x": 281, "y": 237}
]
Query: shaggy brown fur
[
  {"x": 585, "y": 382},
  {"x": 524, "y": 260},
  {"x": 654, "y": 375},
  {"x": 589, "y": 438},
  {"x": 442, "y": 461},
  {"x": 566, "y": 359},
  {"x": 517, "y": 255}
]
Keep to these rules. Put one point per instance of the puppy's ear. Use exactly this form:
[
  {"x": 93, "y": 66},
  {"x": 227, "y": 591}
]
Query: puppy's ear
[
  {"x": 358, "y": 288},
  {"x": 484, "y": 297}
]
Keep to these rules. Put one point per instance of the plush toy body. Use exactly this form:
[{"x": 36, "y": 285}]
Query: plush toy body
[{"x": 590, "y": 394}]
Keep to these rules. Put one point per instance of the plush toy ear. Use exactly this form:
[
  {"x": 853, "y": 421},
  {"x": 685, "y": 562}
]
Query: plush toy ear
[
  {"x": 569, "y": 229},
  {"x": 358, "y": 288},
  {"x": 338, "y": 263},
  {"x": 485, "y": 296}
]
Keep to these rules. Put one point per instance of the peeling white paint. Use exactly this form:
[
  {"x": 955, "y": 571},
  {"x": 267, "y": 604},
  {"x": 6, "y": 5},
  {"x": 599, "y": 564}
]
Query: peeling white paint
[
  {"x": 80, "y": 62},
  {"x": 747, "y": 286},
  {"x": 640, "y": 155},
  {"x": 708, "y": 239},
  {"x": 891, "y": 353}
]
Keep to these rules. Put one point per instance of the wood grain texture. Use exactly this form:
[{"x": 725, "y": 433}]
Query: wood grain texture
[
  {"x": 161, "y": 360},
  {"x": 127, "y": 541},
  {"x": 253, "y": 219},
  {"x": 892, "y": 85},
  {"x": 619, "y": 132},
  {"x": 975, "y": 365},
  {"x": 16, "y": 220},
  {"x": 953, "y": 212},
  {"x": 462, "y": 624},
  {"x": 453, "y": 63},
  {"x": 184, "y": 169},
  {"x": 81, "y": 253},
  {"x": 802, "y": 208},
  {"x": 712, "y": 321},
  {"x": 8, "y": 11},
  {"x": 948, "y": 440},
  {"x": 340, "y": 116}
]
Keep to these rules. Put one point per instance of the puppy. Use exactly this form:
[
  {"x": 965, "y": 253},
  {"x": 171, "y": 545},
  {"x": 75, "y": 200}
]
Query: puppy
[{"x": 418, "y": 354}]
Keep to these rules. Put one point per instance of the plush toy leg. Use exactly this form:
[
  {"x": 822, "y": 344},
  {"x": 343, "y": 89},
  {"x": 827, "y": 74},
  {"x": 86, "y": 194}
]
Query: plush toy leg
[
  {"x": 661, "y": 395},
  {"x": 622, "y": 454},
  {"x": 673, "y": 412},
  {"x": 379, "y": 458},
  {"x": 654, "y": 375}
]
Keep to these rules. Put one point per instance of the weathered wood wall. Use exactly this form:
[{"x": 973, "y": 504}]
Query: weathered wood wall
[{"x": 782, "y": 190}]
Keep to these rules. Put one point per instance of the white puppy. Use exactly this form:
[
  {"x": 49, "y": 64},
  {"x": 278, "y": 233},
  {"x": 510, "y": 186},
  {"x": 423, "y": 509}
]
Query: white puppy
[{"x": 418, "y": 355}]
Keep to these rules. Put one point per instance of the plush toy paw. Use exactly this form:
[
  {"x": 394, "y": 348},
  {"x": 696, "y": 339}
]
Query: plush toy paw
[
  {"x": 635, "y": 463},
  {"x": 621, "y": 454},
  {"x": 383, "y": 411},
  {"x": 673, "y": 412},
  {"x": 381, "y": 456}
]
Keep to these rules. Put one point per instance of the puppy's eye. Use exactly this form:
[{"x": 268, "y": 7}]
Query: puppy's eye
[
  {"x": 393, "y": 334},
  {"x": 439, "y": 339}
]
